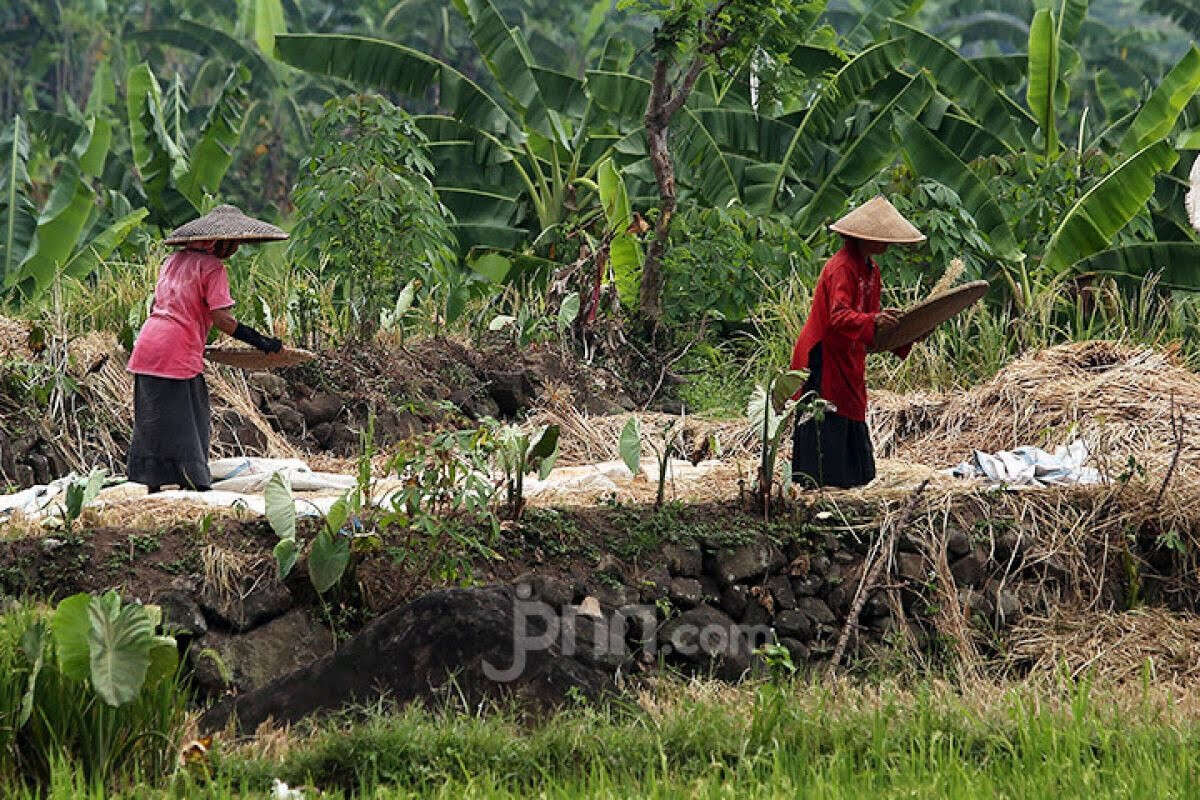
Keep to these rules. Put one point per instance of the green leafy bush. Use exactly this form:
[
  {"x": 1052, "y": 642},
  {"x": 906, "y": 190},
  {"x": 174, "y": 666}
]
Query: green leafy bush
[
  {"x": 722, "y": 259},
  {"x": 367, "y": 213}
]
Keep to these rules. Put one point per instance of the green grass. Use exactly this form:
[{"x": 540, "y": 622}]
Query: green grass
[{"x": 709, "y": 740}]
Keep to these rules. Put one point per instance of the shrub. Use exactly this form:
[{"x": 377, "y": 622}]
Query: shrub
[{"x": 367, "y": 212}]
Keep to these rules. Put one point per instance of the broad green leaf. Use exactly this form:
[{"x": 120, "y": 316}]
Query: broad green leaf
[
  {"x": 613, "y": 196},
  {"x": 33, "y": 645},
  {"x": 219, "y": 138},
  {"x": 269, "y": 21},
  {"x": 119, "y": 642},
  {"x": 932, "y": 159},
  {"x": 1176, "y": 264},
  {"x": 625, "y": 95},
  {"x": 91, "y": 148},
  {"x": 207, "y": 41},
  {"x": 394, "y": 67},
  {"x": 280, "y": 506},
  {"x": 568, "y": 311},
  {"x": 630, "y": 445},
  {"x": 164, "y": 660},
  {"x": 19, "y": 215},
  {"x": 1161, "y": 111},
  {"x": 544, "y": 444},
  {"x": 1090, "y": 225},
  {"x": 339, "y": 512},
  {"x": 873, "y": 150},
  {"x": 286, "y": 552},
  {"x": 327, "y": 560},
  {"x": 852, "y": 80},
  {"x": 1184, "y": 13},
  {"x": 492, "y": 266},
  {"x": 88, "y": 258},
  {"x": 507, "y": 57},
  {"x": 546, "y": 465},
  {"x": 59, "y": 226},
  {"x": 625, "y": 255},
  {"x": 785, "y": 385},
  {"x": 1043, "y": 76},
  {"x": 104, "y": 93},
  {"x": 71, "y": 626}
]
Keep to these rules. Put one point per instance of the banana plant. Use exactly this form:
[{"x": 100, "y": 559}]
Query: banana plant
[
  {"x": 772, "y": 406},
  {"x": 71, "y": 232},
  {"x": 178, "y": 172}
]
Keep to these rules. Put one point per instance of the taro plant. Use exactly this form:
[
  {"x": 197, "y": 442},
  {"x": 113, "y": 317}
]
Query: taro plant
[
  {"x": 519, "y": 453},
  {"x": 90, "y": 685},
  {"x": 772, "y": 405},
  {"x": 666, "y": 448},
  {"x": 78, "y": 494},
  {"x": 329, "y": 552}
]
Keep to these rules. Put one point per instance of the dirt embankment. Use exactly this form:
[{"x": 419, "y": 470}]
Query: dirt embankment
[{"x": 67, "y": 406}]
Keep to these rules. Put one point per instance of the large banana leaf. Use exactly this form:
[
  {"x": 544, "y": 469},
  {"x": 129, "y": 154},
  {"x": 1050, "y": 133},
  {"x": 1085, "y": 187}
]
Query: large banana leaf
[
  {"x": 205, "y": 41},
  {"x": 88, "y": 257},
  {"x": 1176, "y": 263},
  {"x": 507, "y": 57},
  {"x": 219, "y": 137},
  {"x": 966, "y": 86},
  {"x": 391, "y": 66},
  {"x": 1184, "y": 13},
  {"x": 17, "y": 213},
  {"x": 862, "y": 72},
  {"x": 1043, "y": 76},
  {"x": 865, "y": 156},
  {"x": 625, "y": 95},
  {"x": 712, "y": 174},
  {"x": 1158, "y": 115},
  {"x": 1107, "y": 207},
  {"x": 1070, "y": 17},
  {"x": 968, "y": 140},
  {"x": 930, "y": 158},
  {"x": 62, "y": 220},
  {"x": 158, "y": 158},
  {"x": 872, "y": 21},
  {"x": 1007, "y": 70}
]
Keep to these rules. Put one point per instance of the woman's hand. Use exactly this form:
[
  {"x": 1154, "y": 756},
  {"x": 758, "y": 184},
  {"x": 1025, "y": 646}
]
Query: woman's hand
[
  {"x": 887, "y": 319},
  {"x": 255, "y": 339}
]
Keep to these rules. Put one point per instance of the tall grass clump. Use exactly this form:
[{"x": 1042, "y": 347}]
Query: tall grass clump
[{"x": 51, "y": 721}]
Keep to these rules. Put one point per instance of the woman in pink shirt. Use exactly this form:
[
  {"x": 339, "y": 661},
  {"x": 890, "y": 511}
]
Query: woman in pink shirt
[{"x": 171, "y": 417}]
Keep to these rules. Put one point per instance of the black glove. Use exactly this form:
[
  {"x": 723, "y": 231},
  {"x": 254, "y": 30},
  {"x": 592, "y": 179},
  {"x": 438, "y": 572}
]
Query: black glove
[{"x": 255, "y": 339}]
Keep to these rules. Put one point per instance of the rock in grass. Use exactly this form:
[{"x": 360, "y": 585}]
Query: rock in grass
[
  {"x": 181, "y": 615},
  {"x": 815, "y": 609},
  {"x": 794, "y": 624},
  {"x": 455, "y": 644},
  {"x": 252, "y": 660},
  {"x": 707, "y": 638}
]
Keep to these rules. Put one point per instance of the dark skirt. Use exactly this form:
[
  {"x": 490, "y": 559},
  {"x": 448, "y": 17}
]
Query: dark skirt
[
  {"x": 833, "y": 452},
  {"x": 171, "y": 432}
]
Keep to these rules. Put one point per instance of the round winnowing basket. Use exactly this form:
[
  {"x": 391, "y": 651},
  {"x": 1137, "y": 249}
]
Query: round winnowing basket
[
  {"x": 249, "y": 358},
  {"x": 922, "y": 318}
]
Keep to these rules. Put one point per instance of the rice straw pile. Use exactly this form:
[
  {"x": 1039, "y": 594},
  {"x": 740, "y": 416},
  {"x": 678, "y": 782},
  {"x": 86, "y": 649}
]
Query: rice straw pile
[
  {"x": 1118, "y": 398},
  {"x": 1115, "y": 647}
]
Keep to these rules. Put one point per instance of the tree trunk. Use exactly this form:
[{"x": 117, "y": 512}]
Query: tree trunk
[
  {"x": 650, "y": 296},
  {"x": 662, "y": 107}
]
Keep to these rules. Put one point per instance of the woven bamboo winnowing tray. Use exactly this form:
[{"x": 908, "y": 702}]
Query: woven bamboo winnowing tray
[
  {"x": 918, "y": 320},
  {"x": 249, "y": 358}
]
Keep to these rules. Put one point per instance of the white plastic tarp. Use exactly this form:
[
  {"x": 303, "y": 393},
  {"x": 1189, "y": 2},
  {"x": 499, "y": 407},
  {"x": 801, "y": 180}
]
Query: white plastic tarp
[{"x": 1032, "y": 467}]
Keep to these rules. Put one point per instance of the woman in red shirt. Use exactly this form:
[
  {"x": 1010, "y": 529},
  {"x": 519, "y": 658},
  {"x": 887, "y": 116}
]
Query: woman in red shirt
[
  {"x": 171, "y": 425},
  {"x": 845, "y": 316}
]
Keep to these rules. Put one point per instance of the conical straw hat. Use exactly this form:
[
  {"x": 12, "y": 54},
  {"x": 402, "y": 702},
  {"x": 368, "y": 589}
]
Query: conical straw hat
[
  {"x": 226, "y": 223},
  {"x": 877, "y": 220}
]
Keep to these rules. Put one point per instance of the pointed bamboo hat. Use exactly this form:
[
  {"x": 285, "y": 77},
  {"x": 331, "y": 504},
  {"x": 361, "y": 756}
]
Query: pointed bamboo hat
[
  {"x": 226, "y": 223},
  {"x": 877, "y": 220}
]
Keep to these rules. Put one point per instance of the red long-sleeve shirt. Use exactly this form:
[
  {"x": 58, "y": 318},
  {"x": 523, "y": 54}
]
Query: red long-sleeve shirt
[{"x": 842, "y": 320}]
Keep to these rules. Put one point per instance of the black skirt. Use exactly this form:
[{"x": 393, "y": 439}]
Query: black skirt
[
  {"x": 171, "y": 432},
  {"x": 833, "y": 452}
]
